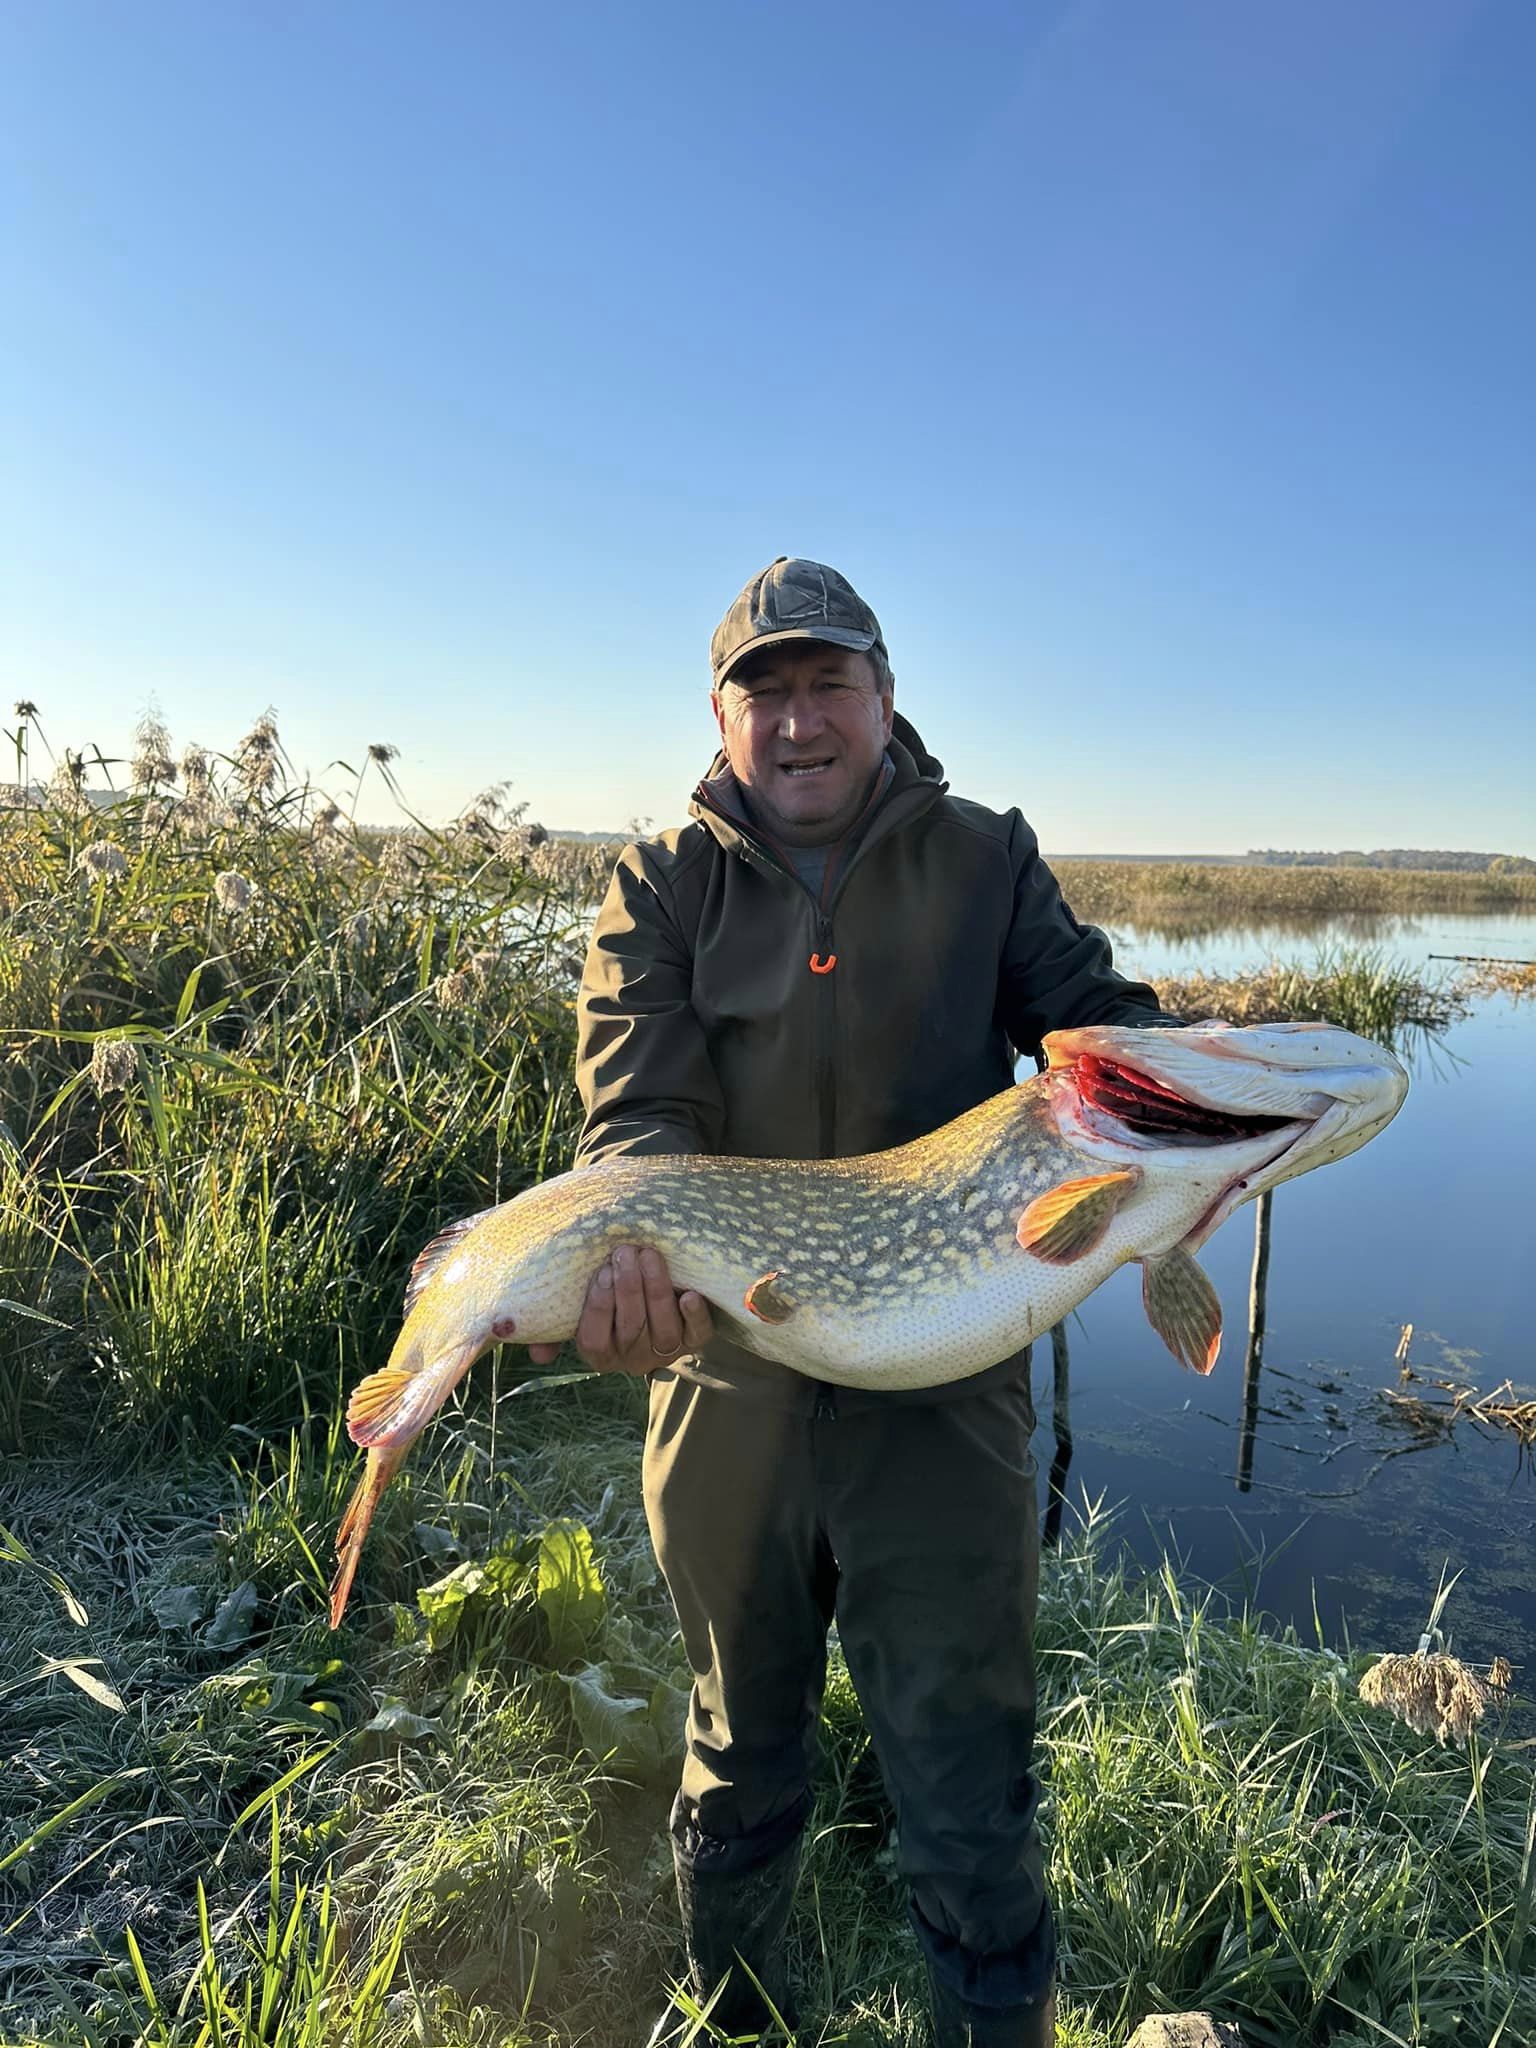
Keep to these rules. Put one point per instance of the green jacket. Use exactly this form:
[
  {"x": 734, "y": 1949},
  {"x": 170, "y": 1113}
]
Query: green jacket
[{"x": 724, "y": 1008}]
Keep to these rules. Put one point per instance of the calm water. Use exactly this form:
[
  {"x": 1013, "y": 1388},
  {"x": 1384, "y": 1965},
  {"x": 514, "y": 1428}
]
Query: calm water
[{"x": 1431, "y": 1224}]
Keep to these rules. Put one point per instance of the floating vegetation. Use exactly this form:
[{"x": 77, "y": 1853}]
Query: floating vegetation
[
  {"x": 1503, "y": 1408},
  {"x": 1515, "y": 978}
]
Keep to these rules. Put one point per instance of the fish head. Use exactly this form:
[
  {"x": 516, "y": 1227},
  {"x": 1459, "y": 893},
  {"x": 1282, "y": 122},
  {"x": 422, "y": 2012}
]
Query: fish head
[{"x": 1240, "y": 1108}]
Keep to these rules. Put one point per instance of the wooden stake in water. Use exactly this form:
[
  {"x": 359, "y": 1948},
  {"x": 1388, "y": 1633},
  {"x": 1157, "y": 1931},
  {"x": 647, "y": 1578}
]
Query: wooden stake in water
[
  {"x": 1253, "y": 1359},
  {"x": 1061, "y": 1418}
]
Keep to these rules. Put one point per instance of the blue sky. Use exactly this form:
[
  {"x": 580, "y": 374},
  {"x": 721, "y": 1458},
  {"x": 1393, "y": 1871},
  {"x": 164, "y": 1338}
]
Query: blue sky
[{"x": 436, "y": 375}]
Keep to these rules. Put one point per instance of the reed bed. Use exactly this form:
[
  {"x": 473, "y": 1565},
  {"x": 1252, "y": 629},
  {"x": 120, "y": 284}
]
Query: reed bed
[
  {"x": 249, "y": 1059},
  {"x": 1179, "y": 895},
  {"x": 251, "y": 1056},
  {"x": 1360, "y": 988}
]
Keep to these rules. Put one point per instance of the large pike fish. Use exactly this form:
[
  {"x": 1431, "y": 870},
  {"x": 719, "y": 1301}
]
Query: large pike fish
[{"x": 915, "y": 1266}]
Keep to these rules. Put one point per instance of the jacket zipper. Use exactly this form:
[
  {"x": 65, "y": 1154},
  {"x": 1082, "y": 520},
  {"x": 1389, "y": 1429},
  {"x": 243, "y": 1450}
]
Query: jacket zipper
[{"x": 826, "y": 1037}]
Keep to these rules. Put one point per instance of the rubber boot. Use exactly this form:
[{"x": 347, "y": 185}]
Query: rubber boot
[
  {"x": 959, "y": 2024},
  {"x": 731, "y": 1919}
]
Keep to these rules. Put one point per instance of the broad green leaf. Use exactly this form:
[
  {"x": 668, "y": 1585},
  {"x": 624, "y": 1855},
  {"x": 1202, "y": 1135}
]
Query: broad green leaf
[
  {"x": 396, "y": 1720},
  {"x": 177, "y": 1606},
  {"x": 443, "y": 1601},
  {"x": 616, "y": 1727},
  {"x": 231, "y": 1623},
  {"x": 570, "y": 1590}
]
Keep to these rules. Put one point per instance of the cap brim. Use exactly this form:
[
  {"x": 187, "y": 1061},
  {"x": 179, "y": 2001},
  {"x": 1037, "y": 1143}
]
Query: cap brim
[{"x": 836, "y": 636}]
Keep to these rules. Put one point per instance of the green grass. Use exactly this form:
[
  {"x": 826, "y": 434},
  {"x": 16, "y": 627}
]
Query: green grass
[
  {"x": 1227, "y": 1825},
  {"x": 229, "y": 1116}
]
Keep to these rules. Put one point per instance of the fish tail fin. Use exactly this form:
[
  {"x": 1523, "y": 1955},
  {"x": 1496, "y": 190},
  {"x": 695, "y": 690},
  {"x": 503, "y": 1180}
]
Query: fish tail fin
[{"x": 381, "y": 1467}]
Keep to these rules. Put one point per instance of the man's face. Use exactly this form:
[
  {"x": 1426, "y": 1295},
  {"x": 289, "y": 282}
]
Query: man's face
[{"x": 804, "y": 726}]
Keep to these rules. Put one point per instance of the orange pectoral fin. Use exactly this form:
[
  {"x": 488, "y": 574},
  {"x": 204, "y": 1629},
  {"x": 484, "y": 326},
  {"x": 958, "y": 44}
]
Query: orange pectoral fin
[
  {"x": 1068, "y": 1221},
  {"x": 1184, "y": 1309},
  {"x": 377, "y": 1473}
]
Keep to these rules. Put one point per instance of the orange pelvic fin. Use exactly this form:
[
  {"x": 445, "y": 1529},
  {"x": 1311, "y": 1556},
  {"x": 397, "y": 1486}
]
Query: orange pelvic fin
[
  {"x": 765, "y": 1304},
  {"x": 1183, "y": 1307},
  {"x": 381, "y": 1467},
  {"x": 376, "y": 1403},
  {"x": 1068, "y": 1221}
]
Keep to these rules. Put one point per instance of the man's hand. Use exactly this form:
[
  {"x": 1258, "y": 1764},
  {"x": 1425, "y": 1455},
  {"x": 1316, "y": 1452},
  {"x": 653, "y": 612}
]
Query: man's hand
[{"x": 633, "y": 1320}]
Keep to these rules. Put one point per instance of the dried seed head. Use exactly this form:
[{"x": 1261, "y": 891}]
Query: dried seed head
[
  {"x": 102, "y": 859},
  {"x": 24, "y": 708},
  {"x": 1500, "y": 1676},
  {"x": 327, "y": 817},
  {"x": 196, "y": 770},
  {"x": 114, "y": 1063},
  {"x": 383, "y": 754},
  {"x": 257, "y": 771},
  {"x": 456, "y": 990},
  {"x": 1436, "y": 1695},
  {"x": 68, "y": 784},
  {"x": 400, "y": 859},
  {"x": 193, "y": 814},
  {"x": 232, "y": 892},
  {"x": 152, "y": 764}
]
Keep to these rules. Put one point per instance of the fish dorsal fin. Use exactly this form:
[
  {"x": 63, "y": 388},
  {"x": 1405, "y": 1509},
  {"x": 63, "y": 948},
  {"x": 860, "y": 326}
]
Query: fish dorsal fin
[
  {"x": 1067, "y": 1221},
  {"x": 432, "y": 1255},
  {"x": 1183, "y": 1307}
]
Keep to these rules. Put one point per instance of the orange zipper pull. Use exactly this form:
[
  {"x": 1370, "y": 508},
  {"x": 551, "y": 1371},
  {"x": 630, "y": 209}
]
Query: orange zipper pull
[{"x": 823, "y": 964}]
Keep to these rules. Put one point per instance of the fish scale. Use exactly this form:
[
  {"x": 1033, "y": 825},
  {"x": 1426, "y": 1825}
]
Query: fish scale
[{"x": 917, "y": 1266}]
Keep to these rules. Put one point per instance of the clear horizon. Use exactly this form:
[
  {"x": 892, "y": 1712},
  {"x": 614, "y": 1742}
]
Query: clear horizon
[{"x": 1161, "y": 380}]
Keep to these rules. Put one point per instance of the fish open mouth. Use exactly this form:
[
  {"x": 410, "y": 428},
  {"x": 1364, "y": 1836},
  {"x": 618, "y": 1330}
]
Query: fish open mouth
[{"x": 1153, "y": 1110}]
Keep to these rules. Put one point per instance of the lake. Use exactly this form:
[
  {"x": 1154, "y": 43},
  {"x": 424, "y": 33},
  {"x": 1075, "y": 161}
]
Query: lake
[{"x": 1347, "y": 1509}]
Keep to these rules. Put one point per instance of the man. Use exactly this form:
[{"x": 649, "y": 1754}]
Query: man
[{"x": 835, "y": 956}]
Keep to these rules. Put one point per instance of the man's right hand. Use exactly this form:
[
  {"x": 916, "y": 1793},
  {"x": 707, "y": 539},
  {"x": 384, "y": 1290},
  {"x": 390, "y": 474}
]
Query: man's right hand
[{"x": 634, "y": 1320}]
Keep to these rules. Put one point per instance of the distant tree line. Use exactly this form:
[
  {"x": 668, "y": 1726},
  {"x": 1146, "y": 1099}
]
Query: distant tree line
[{"x": 1398, "y": 857}]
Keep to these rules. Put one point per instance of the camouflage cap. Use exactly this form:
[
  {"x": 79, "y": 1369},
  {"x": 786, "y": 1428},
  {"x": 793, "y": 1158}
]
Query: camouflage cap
[{"x": 794, "y": 599}]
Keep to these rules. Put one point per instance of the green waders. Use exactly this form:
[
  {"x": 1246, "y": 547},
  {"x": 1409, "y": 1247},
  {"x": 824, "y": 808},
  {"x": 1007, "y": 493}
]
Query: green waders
[{"x": 914, "y": 1523}]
